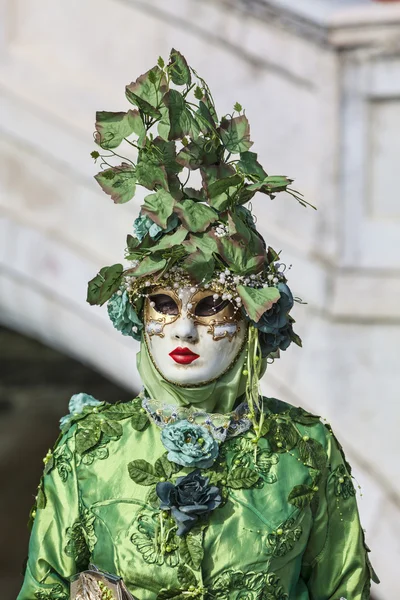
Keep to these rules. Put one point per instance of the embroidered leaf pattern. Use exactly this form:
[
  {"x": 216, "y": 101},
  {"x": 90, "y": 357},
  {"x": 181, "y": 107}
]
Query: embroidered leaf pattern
[
  {"x": 81, "y": 539},
  {"x": 147, "y": 541},
  {"x": 235, "y": 585},
  {"x": 283, "y": 540},
  {"x": 57, "y": 592}
]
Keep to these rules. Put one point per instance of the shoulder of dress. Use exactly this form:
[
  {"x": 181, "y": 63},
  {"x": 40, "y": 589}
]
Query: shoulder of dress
[
  {"x": 84, "y": 408},
  {"x": 290, "y": 419}
]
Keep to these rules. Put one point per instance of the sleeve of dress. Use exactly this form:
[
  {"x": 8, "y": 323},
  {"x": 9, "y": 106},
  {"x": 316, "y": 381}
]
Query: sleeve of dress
[
  {"x": 55, "y": 547},
  {"x": 336, "y": 564}
]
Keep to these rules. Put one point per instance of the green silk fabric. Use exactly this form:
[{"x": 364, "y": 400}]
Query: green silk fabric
[{"x": 258, "y": 546}]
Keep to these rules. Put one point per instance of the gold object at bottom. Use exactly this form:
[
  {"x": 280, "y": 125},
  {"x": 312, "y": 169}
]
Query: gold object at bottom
[{"x": 94, "y": 584}]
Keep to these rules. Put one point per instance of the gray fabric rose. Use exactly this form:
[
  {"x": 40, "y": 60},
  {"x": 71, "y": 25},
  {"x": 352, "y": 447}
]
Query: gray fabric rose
[
  {"x": 276, "y": 318},
  {"x": 189, "y": 445},
  {"x": 190, "y": 498},
  {"x": 123, "y": 315}
]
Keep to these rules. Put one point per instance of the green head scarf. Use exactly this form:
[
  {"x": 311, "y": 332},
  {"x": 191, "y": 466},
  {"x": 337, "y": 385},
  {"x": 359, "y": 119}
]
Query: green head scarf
[{"x": 220, "y": 395}]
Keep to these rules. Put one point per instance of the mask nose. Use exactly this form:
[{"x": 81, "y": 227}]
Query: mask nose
[{"x": 185, "y": 330}]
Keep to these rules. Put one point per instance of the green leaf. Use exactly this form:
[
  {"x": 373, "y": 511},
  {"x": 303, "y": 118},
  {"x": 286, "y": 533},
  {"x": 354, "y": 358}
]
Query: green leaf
[
  {"x": 139, "y": 421},
  {"x": 299, "y": 415},
  {"x": 312, "y": 453},
  {"x": 238, "y": 256},
  {"x": 257, "y": 301},
  {"x": 238, "y": 107},
  {"x": 161, "y": 62},
  {"x": 249, "y": 165},
  {"x": 87, "y": 437},
  {"x": 147, "y": 91},
  {"x": 186, "y": 577},
  {"x": 104, "y": 285},
  {"x": 121, "y": 410},
  {"x": 235, "y": 134},
  {"x": 150, "y": 175},
  {"x": 271, "y": 184},
  {"x": 282, "y": 435},
  {"x": 222, "y": 185},
  {"x": 191, "y": 550},
  {"x": 196, "y": 217},
  {"x": 182, "y": 122},
  {"x": 113, "y": 127},
  {"x": 178, "y": 69},
  {"x": 159, "y": 207},
  {"x": 199, "y": 266},
  {"x": 213, "y": 173},
  {"x": 172, "y": 239},
  {"x": 149, "y": 265},
  {"x": 111, "y": 428},
  {"x": 192, "y": 194},
  {"x": 142, "y": 472},
  {"x": 118, "y": 182},
  {"x": 205, "y": 119},
  {"x": 301, "y": 496},
  {"x": 204, "y": 242},
  {"x": 197, "y": 153},
  {"x": 272, "y": 255},
  {"x": 296, "y": 339},
  {"x": 242, "y": 478},
  {"x": 95, "y": 154}
]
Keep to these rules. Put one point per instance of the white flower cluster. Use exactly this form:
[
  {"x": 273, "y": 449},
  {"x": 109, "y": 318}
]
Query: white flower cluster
[{"x": 221, "y": 230}]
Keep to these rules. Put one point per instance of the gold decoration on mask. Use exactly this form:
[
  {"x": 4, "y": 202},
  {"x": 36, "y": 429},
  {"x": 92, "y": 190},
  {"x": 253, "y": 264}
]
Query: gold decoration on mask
[{"x": 229, "y": 314}]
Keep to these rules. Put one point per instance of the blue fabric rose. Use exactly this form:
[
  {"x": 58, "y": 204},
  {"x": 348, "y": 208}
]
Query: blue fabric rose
[
  {"x": 123, "y": 315},
  {"x": 271, "y": 342},
  {"x": 76, "y": 406},
  {"x": 190, "y": 498},
  {"x": 189, "y": 445},
  {"x": 276, "y": 318}
]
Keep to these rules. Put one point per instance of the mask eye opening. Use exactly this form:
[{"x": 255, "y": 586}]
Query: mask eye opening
[
  {"x": 164, "y": 304},
  {"x": 209, "y": 306}
]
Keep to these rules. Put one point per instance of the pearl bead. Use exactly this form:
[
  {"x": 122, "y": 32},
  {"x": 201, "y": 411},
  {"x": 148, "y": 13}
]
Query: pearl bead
[
  {"x": 305, "y": 438},
  {"x": 279, "y": 531},
  {"x": 215, "y": 296}
]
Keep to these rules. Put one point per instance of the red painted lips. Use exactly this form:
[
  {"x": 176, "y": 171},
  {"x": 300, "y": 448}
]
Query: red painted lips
[{"x": 183, "y": 356}]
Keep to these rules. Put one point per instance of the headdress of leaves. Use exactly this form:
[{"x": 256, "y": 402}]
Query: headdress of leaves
[{"x": 172, "y": 131}]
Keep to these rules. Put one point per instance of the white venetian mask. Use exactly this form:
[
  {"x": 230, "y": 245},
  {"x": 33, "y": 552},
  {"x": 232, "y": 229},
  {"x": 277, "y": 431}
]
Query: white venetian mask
[{"x": 193, "y": 337}]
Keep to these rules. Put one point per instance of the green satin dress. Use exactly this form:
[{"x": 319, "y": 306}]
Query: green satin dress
[{"x": 288, "y": 528}]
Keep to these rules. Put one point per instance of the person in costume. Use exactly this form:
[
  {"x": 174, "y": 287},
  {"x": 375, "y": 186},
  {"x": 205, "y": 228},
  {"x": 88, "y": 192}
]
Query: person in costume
[{"x": 199, "y": 488}]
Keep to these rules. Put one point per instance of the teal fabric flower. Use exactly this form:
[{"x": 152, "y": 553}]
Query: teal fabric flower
[
  {"x": 144, "y": 225},
  {"x": 123, "y": 315},
  {"x": 76, "y": 406},
  {"x": 189, "y": 445}
]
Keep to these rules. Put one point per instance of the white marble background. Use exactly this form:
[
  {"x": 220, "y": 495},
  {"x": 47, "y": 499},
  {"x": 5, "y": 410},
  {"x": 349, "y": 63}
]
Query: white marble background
[{"x": 320, "y": 81}]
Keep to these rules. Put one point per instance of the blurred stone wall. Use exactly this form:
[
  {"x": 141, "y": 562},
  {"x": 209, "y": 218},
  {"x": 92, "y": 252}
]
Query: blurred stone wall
[
  {"x": 320, "y": 81},
  {"x": 36, "y": 383}
]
